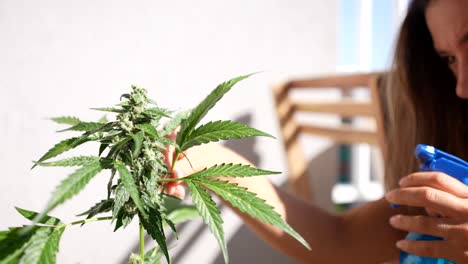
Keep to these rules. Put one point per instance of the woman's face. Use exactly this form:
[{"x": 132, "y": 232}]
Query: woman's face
[{"x": 447, "y": 21}]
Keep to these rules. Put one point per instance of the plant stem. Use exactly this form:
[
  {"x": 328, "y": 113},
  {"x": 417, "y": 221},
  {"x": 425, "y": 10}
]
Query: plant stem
[
  {"x": 89, "y": 220},
  {"x": 169, "y": 179},
  {"x": 174, "y": 161},
  {"x": 142, "y": 243}
]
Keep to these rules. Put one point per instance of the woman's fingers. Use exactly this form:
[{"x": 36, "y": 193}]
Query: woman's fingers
[
  {"x": 433, "y": 213},
  {"x": 454, "y": 234},
  {"x": 422, "y": 224},
  {"x": 437, "y": 180},
  {"x": 428, "y": 197},
  {"x": 176, "y": 188},
  {"x": 179, "y": 191},
  {"x": 430, "y": 249},
  {"x": 170, "y": 151},
  {"x": 439, "y": 194}
]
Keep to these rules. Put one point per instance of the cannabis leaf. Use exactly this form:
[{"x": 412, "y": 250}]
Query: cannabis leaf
[
  {"x": 202, "y": 109},
  {"x": 220, "y": 130},
  {"x": 109, "y": 109},
  {"x": 154, "y": 226},
  {"x": 138, "y": 141},
  {"x": 13, "y": 242},
  {"x": 148, "y": 129},
  {"x": 249, "y": 203},
  {"x": 210, "y": 214},
  {"x": 66, "y": 120},
  {"x": 73, "y": 184},
  {"x": 35, "y": 244},
  {"x": 44, "y": 245},
  {"x": 101, "y": 207},
  {"x": 174, "y": 123},
  {"x": 183, "y": 213},
  {"x": 62, "y": 146},
  {"x": 84, "y": 126},
  {"x": 121, "y": 197},
  {"x": 228, "y": 170},
  {"x": 156, "y": 112},
  {"x": 130, "y": 186},
  {"x": 153, "y": 256},
  {"x": 70, "y": 162}
]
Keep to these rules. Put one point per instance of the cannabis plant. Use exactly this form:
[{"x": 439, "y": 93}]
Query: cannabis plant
[{"x": 132, "y": 148}]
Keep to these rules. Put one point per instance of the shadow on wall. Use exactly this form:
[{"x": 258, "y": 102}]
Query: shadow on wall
[{"x": 323, "y": 171}]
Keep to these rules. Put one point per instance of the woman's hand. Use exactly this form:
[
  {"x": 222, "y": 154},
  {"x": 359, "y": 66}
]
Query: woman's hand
[
  {"x": 173, "y": 188},
  {"x": 446, "y": 201}
]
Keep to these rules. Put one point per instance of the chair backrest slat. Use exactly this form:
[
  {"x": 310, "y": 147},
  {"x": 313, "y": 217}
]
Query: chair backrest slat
[{"x": 291, "y": 127}]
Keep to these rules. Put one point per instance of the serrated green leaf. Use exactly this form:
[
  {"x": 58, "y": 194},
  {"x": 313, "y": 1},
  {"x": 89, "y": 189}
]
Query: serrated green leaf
[
  {"x": 124, "y": 218},
  {"x": 84, "y": 126},
  {"x": 100, "y": 207},
  {"x": 163, "y": 141},
  {"x": 3, "y": 235},
  {"x": 31, "y": 215},
  {"x": 204, "y": 106},
  {"x": 148, "y": 129},
  {"x": 102, "y": 147},
  {"x": 66, "y": 120},
  {"x": 228, "y": 170},
  {"x": 13, "y": 243},
  {"x": 153, "y": 256},
  {"x": 137, "y": 140},
  {"x": 174, "y": 123},
  {"x": 70, "y": 162},
  {"x": 27, "y": 213},
  {"x": 120, "y": 198},
  {"x": 130, "y": 185},
  {"x": 249, "y": 203},
  {"x": 114, "y": 150},
  {"x": 210, "y": 214},
  {"x": 220, "y": 130},
  {"x": 63, "y": 146},
  {"x": 156, "y": 112},
  {"x": 73, "y": 184},
  {"x": 20, "y": 241},
  {"x": 103, "y": 119},
  {"x": 171, "y": 202},
  {"x": 110, "y": 182},
  {"x": 109, "y": 109},
  {"x": 44, "y": 245},
  {"x": 154, "y": 227},
  {"x": 183, "y": 213}
]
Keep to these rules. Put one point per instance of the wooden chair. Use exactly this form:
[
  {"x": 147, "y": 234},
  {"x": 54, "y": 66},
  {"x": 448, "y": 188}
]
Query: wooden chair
[{"x": 291, "y": 128}]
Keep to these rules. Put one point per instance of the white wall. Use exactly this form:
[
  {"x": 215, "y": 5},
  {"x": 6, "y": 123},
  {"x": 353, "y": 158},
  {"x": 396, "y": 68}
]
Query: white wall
[{"x": 63, "y": 57}]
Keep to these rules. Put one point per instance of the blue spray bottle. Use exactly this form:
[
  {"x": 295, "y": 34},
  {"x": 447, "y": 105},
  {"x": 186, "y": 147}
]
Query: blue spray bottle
[{"x": 433, "y": 159}]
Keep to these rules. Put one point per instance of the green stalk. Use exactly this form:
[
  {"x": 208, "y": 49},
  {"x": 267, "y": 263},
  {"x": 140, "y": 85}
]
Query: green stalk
[
  {"x": 89, "y": 220},
  {"x": 142, "y": 243},
  {"x": 169, "y": 180},
  {"x": 174, "y": 161}
]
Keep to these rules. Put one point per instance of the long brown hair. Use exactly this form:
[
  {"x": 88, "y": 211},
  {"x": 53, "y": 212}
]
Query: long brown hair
[{"x": 423, "y": 106}]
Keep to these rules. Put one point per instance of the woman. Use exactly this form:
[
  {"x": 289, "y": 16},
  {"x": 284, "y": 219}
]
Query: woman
[{"x": 429, "y": 82}]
